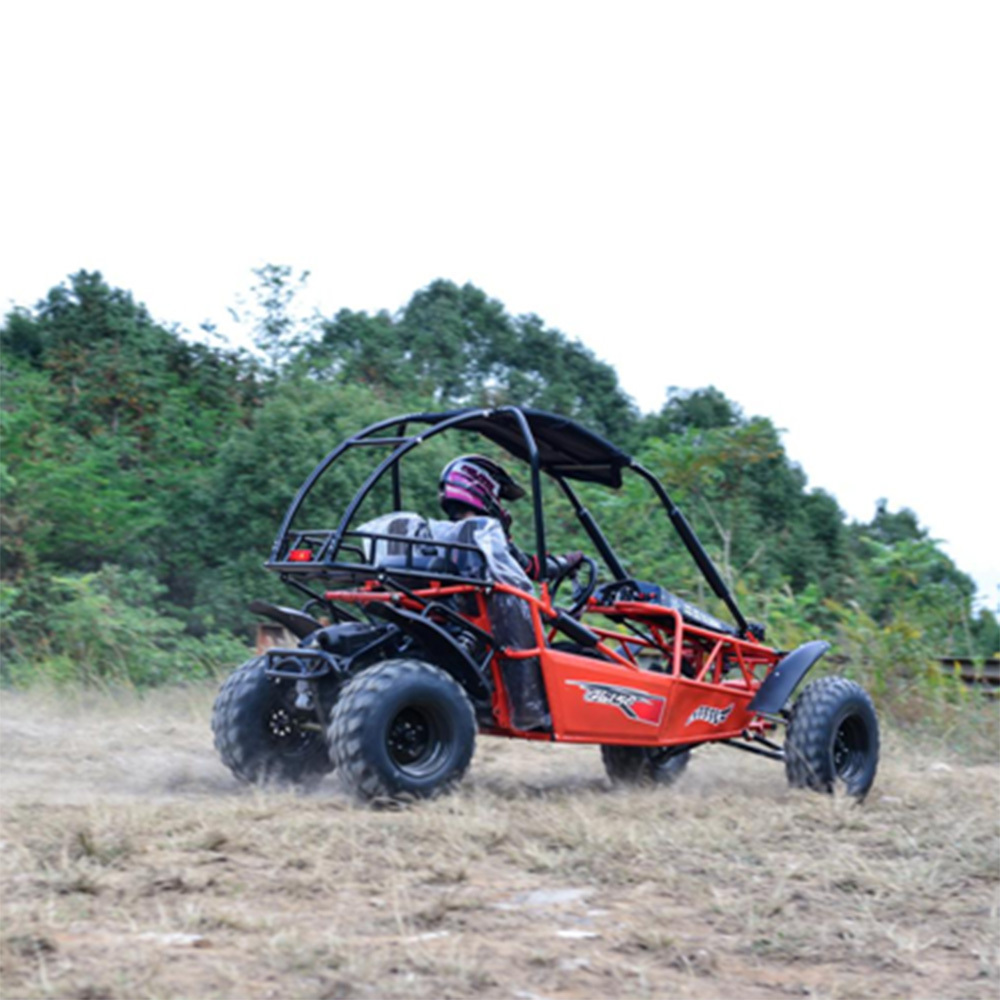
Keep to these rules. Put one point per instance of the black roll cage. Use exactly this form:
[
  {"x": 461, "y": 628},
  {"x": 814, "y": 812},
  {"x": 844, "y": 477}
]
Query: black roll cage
[{"x": 557, "y": 446}]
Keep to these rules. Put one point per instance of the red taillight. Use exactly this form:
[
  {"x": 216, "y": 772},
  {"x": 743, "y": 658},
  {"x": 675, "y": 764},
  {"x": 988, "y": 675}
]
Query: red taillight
[{"x": 300, "y": 555}]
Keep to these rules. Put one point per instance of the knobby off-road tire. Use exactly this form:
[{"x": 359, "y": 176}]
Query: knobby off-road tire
[
  {"x": 832, "y": 738},
  {"x": 643, "y": 765},
  {"x": 402, "y": 729},
  {"x": 258, "y": 733}
]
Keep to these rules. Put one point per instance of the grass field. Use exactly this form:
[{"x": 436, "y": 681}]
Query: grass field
[{"x": 134, "y": 866}]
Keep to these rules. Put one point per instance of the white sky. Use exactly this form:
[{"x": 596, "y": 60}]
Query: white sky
[{"x": 796, "y": 202}]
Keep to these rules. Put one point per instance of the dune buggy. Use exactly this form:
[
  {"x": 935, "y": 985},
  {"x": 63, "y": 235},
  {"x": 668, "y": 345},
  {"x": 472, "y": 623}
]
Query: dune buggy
[{"x": 417, "y": 635}]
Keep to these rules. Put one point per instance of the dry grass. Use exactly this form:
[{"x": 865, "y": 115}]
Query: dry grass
[{"x": 133, "y": 866}]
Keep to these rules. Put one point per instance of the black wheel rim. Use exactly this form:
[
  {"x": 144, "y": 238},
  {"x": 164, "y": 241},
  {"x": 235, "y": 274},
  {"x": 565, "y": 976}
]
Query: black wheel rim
[
  {"x": 285, "y": 733},
  {"x": 850, "y": 748},
  {"x": 415, "y": 741}
]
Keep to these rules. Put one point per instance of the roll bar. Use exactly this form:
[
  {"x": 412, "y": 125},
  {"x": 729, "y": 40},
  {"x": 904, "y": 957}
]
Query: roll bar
[{"x": 557, "y": 446}]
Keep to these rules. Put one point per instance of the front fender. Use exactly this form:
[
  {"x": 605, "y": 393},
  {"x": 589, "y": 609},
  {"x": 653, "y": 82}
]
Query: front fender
[{"x": 784, "y": 678}]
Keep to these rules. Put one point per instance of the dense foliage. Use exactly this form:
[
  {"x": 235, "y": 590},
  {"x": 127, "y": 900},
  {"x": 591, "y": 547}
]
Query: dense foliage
[{"x": 143, "y": 476}]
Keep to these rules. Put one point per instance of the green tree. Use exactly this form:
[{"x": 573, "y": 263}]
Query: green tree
[
  {"x": 278, "y": 333},
  {"x": 692, "y": 409},
  {"x": 907, "y": 583},
  {"x": 453, "y": 346},
  {"x": 109, "y": 422},
  {"x": 357, "y": 349}
]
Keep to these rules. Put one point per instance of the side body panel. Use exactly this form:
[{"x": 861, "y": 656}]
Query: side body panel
[{"x": 592, "y": 701}]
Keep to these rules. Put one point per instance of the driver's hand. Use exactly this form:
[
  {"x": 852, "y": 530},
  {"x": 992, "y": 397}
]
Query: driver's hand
[{"x": 564, "y": 565}]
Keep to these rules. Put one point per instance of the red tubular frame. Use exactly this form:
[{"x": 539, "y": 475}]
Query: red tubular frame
[{"x": 593, "y": 700}]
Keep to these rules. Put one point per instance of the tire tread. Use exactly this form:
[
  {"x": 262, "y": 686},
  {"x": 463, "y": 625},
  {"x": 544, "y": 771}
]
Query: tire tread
[
  {"x": 235, "y": 725},
  {"x": 358, "y": 699},
  {"x": 808, "y": 763}
]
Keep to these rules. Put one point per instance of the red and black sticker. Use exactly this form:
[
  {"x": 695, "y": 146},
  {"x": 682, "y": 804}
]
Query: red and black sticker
[
  {"x": 710, "y": 714},
  {"x": 636, "y": 705}
]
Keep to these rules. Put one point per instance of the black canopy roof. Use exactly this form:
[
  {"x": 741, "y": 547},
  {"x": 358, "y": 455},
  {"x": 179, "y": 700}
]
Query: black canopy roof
[{"x": 565, "y": 448}]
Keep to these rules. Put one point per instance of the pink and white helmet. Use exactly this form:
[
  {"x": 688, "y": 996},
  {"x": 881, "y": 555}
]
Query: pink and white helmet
[{"x": 477, "y": 483}]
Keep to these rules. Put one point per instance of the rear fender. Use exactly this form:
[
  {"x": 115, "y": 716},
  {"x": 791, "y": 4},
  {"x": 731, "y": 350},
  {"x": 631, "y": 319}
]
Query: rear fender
[
  {"x": 440, "y": 646},
  {"x": 297, "y": 622},
  {"x": 772, "y": 695}
]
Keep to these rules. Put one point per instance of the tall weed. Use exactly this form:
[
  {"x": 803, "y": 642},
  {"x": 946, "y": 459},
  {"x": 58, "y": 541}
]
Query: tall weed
[{"x": 105, "y": 629}]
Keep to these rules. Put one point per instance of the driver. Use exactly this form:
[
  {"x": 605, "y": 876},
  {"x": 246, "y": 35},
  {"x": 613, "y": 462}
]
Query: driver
[{"x": 473, "y": 485}]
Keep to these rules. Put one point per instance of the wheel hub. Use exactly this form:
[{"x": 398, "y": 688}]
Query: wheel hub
[
  {"x": 287, "y": 735},
  {"x": 409, "y": 738},
  {"x": 281, "y": 724},
  {"x": 849, "y": 747}
]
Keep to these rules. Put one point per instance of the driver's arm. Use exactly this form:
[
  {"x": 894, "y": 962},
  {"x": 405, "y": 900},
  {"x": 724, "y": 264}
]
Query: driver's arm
[{"x": 554, "y": 565}]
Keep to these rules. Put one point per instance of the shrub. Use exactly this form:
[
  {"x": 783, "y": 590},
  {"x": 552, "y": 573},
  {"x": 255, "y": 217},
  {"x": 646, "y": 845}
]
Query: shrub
[{"x": 105, "y": 628}]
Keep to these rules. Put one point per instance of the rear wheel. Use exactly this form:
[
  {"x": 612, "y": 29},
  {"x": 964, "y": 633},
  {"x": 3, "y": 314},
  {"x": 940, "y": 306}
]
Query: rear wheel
[
  {"x": 832, "y": 738},
  {"x": 644, "y": 765},
  {"x": 402, "y": 729},
  {"x": 261, "y": 736}
]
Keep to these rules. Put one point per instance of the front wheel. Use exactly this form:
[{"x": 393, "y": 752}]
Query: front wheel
[
  {"x": 832, "y": 738},
  {"x": 644, "y": 765},
  {"x": 402, "y": 729},
  {"x": 259, "y": 733}
]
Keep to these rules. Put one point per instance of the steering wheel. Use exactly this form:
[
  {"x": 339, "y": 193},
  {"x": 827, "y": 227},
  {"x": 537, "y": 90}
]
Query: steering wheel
[{"x": 584, "y": 577}]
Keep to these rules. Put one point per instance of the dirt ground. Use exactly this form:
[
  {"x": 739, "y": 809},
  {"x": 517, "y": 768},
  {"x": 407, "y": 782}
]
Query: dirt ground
[{"x": 134, "y": 866}]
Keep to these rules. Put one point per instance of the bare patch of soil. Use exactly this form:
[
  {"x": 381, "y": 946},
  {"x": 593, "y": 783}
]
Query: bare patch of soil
[{"x": 133, "y": 865}]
